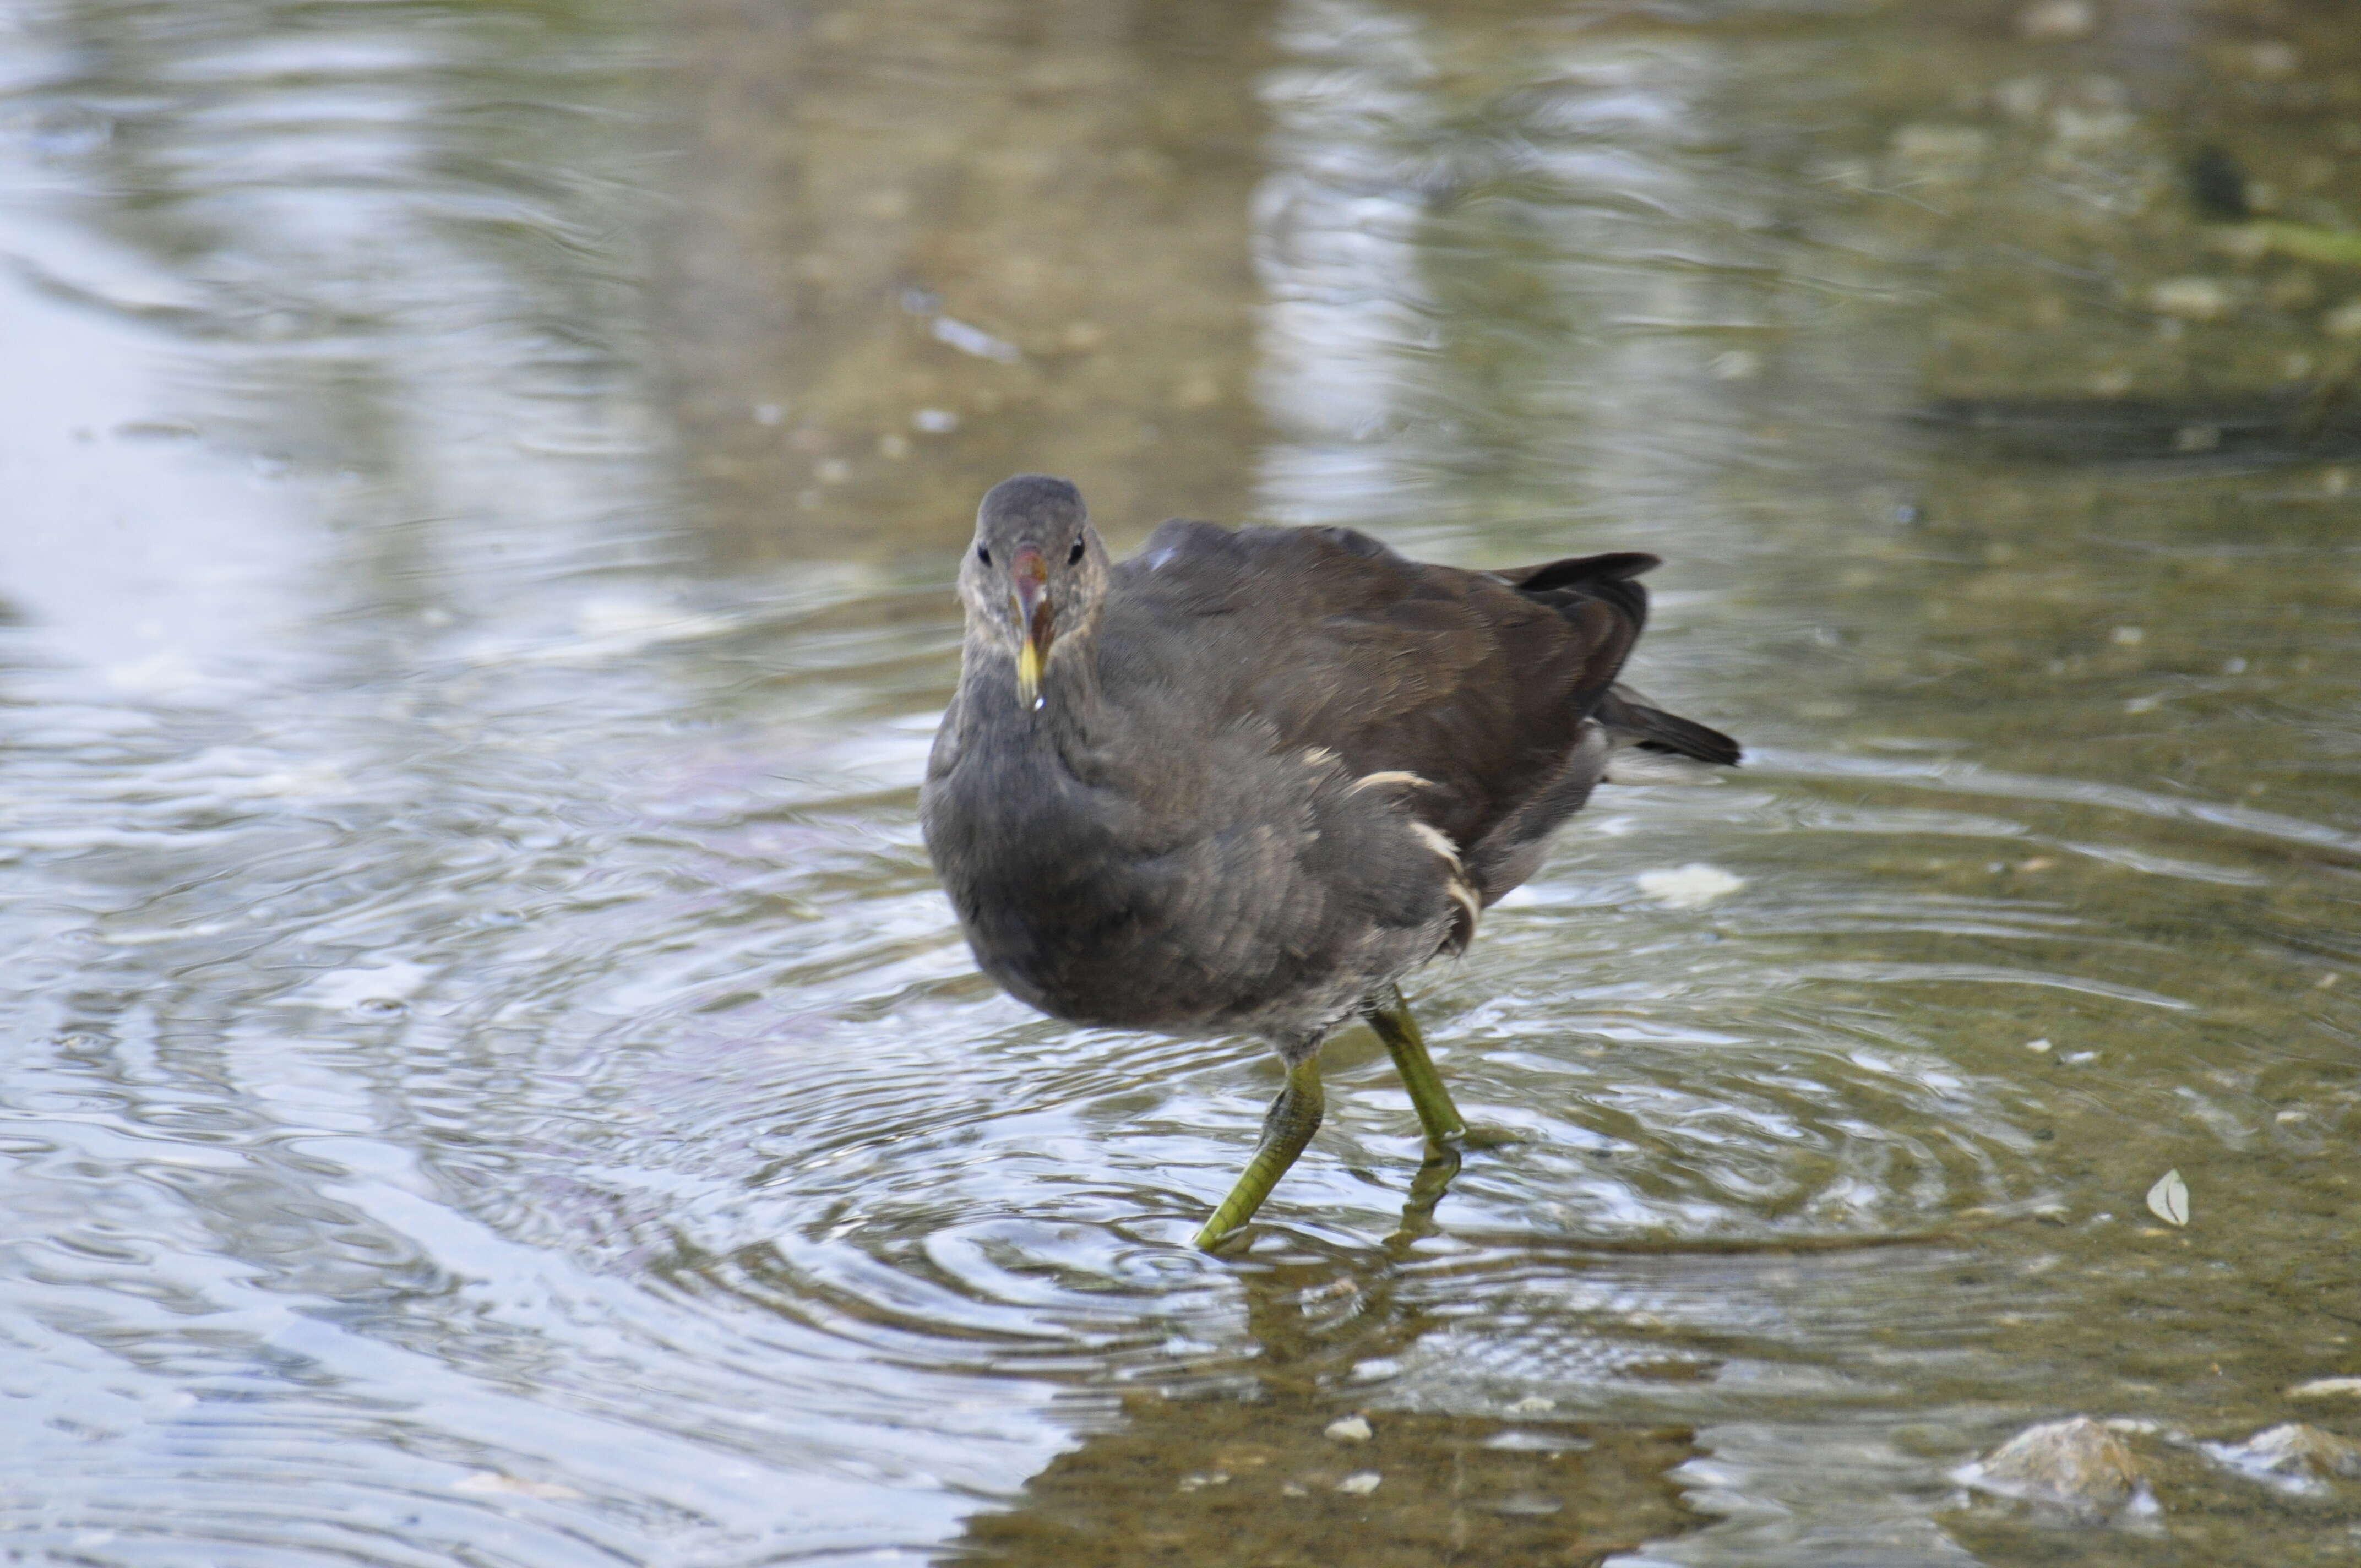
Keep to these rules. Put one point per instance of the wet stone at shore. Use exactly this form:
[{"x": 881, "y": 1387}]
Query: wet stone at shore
[{"x": 2075, "y": 1467}]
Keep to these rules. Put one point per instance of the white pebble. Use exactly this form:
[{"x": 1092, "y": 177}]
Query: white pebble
[
  {"x": 1351, "y": 1428},
  {"x": 1360, "y": 1484},
  {"x": 2321, "y": 1387}
]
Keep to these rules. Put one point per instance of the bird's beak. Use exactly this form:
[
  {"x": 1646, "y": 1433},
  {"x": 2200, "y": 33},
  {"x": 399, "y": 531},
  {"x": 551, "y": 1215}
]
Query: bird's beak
[{"x": 1027, "y": 575}]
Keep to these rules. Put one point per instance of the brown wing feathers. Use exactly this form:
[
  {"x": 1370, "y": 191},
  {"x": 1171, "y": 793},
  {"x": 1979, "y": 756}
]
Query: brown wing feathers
[{"x": 1477, "y": 682}]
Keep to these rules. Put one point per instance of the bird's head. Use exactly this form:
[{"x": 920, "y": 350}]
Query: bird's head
[{"x": 1036, "y": 575}]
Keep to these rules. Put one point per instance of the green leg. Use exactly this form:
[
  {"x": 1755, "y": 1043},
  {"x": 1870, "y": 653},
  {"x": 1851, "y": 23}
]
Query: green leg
[
  {"x": 1294, "y": 1117},
  {"x": 1398, "y": 1030},
  {"x": 1432, "y": 1181}
]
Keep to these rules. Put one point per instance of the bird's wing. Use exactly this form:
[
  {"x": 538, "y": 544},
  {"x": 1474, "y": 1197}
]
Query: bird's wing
[{"x": 1476, "y": 682}]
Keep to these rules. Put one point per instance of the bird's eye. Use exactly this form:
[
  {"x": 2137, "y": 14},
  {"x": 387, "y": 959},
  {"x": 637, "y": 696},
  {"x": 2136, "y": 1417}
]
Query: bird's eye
[
  {"x": 983, "y": 555},
  {"x": 1075, "y": 553}
]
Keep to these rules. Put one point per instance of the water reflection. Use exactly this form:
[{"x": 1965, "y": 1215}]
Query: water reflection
[
  {"x": 1477, "y": 295},
  {"x": 918, "y": 242},
  {"x": 1283, "y": 1468},
  {"x": 493, "y": 1074}
]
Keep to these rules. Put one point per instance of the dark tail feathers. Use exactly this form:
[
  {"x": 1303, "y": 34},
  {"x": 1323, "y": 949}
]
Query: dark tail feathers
[
  {"x": 1633, "y": 722},
  {"x": 1628, "y": 718}
]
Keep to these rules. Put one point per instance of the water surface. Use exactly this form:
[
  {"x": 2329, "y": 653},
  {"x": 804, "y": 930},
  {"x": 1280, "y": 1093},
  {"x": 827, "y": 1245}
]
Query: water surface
[{"x": 492, "y": 1078}]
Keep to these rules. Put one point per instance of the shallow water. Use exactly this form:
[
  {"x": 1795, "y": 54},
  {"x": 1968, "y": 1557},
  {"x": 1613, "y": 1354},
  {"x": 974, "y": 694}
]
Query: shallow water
[{"x": 491, "y": 1078}]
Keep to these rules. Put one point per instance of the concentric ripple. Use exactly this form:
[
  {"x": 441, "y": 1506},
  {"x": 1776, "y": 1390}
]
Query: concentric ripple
[{"x": 492, "y": 1077}]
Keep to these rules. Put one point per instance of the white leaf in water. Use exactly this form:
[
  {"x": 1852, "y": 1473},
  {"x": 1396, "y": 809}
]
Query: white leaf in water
[
  {"x": 491, "y": 1482},
  {"x": 2168, "y": 1199},
  {"x": 976, "y": 340},
  {"x": 1689, "y": 886}
]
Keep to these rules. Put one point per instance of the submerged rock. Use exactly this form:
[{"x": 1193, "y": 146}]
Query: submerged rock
[
  {"x": 2077, "y": 1467},
  {"x": 2292, "y": 1454}
]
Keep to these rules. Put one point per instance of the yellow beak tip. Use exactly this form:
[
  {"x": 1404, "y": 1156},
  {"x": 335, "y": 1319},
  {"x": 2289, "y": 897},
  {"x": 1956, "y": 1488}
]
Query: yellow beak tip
[{"x": 1028, "y": 673}]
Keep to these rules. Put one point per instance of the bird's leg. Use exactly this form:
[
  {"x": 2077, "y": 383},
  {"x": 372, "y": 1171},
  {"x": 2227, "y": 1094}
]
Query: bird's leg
[
  {"x": 1446, "y": 1130},
  {"x": 1294, "y": 1116},
  {"x": 1398, "y": 1030},
  {"x": 1426, "y": 1190}
]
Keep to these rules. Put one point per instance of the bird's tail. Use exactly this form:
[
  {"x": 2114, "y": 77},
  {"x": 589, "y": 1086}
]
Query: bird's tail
[{"x": 1631, "y": 722}]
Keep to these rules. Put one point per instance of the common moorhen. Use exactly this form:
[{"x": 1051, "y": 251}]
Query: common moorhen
[{"x": 1245, "y": 780}]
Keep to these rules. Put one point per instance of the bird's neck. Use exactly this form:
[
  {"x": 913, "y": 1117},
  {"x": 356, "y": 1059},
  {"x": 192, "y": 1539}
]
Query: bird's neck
[{"x": 1068, "y": 715}]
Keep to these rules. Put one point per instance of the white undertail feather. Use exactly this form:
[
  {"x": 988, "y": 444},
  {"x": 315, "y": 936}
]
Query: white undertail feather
[
  {"x": 1455, "y": 883},
  {"x": 1435, "y": 839},
  {"x": 1390, "y": 776}
]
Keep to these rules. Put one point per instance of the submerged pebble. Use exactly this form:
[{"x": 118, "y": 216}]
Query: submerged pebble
[
  {"x": 2189, "y": 298},
  {"x": 2057, "y": 21},
  {"x": 1528, "y": 1505},
  {"x": 1351, "y": 1428},
  {"x": 1691, "y": 886},
  {"x": 2344, "y": 321}
]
